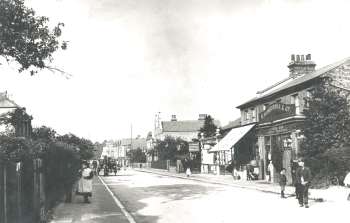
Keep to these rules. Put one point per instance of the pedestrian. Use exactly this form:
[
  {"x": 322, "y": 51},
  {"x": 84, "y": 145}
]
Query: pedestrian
[
  {"x": 271, "y": 168},
  {"x": 85, "y": 182},
  {"x": 295, "y": 166},
  {"x": 303, "y": 178},
  {"x": 94, "y": 166},
  {"x": 347, "y": 183},
  {"x": 283, "y": 181},
  {"x": 188, "y": 167}
]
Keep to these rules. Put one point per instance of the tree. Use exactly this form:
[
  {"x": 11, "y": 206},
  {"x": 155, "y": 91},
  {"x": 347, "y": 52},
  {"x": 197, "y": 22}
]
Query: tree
[
  {"x": 137, "y": 156},
  {"x": 171, "y": 149},
  {"x": 209, "y": 127},
  {"x": 26, "y": 37},
  {"x": 85, "y": 146},
  {"x": 44, "y": 133},
  {"x": 326, "y": 130}
]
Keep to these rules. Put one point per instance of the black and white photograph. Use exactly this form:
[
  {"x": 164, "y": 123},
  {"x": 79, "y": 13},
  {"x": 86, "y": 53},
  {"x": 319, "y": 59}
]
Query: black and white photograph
[{"x": 174, "y": 111}]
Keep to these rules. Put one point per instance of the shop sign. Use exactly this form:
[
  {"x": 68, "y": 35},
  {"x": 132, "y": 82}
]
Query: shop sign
[
  {"x": 277, "y": 111},
  {"x": 193, "y": 147}
]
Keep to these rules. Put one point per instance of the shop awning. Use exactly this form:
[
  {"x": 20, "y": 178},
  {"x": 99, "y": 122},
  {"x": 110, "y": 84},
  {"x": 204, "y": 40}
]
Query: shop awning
[{"x": 231, "y": 138}]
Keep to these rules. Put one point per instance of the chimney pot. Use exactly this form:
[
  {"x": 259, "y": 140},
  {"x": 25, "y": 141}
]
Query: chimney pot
[
  {"x": 301, "y": 65},
  {"x": 292, "y": 57},
  {"x": 202, "y": 116},
  {"x": 173, "y": 118}
]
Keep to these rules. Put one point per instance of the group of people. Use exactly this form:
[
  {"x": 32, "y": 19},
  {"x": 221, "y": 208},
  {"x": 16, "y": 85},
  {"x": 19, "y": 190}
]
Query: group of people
[{"x": 302, "y": 183}]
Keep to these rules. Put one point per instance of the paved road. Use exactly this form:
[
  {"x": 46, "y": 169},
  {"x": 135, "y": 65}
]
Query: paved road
[{"x": 153, "y": 198}]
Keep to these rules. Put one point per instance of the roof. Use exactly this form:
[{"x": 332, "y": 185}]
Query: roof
[
  {"x": 5, "y": 102},
  {"x": 232, "y": 124},
  {"x": 293, "y": 82},
  {"x": 136, "y": 143},
  {"x": 184, "y": 126}
]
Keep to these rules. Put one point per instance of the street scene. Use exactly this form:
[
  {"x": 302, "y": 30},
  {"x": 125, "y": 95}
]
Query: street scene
[
  {"x": 164, "y": 111},
  {"x": 151, "y": 197}
]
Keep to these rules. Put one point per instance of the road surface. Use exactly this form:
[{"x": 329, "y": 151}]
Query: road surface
[{"x": 154, "y": 198}]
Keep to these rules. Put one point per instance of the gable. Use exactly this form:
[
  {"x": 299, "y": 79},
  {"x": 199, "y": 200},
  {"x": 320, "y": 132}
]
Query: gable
[{"x": 340, "y": 76}]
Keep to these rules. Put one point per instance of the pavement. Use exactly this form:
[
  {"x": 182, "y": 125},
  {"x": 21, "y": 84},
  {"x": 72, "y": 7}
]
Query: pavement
[
  {"x": 331, "y": 194},
  {"x": 102, "y": 208}
]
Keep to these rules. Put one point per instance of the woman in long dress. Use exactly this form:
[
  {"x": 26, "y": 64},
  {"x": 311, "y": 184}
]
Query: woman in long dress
[
  {"x": 85, "y": 182},
  {"x": 188, "y": 167}
]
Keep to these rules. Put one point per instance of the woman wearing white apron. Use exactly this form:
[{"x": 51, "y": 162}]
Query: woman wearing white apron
[{"x": 85, "y": 182}]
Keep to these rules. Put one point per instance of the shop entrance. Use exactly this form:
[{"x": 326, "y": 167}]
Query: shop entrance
[{"x": 281, "y": 155}]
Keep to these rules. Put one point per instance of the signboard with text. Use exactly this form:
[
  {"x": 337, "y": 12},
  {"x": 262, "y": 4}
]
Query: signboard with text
[
  {"x": 277, "y": 111},
  {"x": 193, "y": 147}
]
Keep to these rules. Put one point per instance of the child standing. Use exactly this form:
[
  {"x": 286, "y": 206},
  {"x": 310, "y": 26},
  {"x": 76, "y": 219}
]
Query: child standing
[{"x": 283, "y": 181}]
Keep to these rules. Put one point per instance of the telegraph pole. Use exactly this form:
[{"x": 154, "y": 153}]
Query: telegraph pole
[{"x": 131, "y": 138}]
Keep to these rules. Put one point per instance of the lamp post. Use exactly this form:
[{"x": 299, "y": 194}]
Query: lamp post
[{"x": 218, "y": 158}]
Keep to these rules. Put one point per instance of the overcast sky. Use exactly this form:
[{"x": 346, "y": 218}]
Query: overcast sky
[{"x": 133, "y": 58}]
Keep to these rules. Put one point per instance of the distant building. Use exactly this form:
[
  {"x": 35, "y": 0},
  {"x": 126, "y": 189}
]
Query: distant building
[
  {"x": 211, "y": 161},
  {"x": 109, "y": 150},
  {"x": 22, "y": 129},
  {"x": 123, "y": 146},
  {"x": 186, "y": 130}
]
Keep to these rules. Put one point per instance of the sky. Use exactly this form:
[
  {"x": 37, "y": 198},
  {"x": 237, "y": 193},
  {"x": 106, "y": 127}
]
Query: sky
[{"x": 130, "y": 59}]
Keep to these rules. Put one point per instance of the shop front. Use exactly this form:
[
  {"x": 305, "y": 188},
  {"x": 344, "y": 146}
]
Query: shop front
[{"x": 278, "y": 142}]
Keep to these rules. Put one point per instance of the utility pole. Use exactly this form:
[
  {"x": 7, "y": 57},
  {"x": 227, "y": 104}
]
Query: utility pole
[{"x": 131, "y": 138}]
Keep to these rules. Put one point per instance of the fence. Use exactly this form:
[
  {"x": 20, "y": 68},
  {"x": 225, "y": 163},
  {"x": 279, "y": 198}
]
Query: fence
[
  {"x": 160, "y": 164},
  {"x": 21, "y": 192},
  {"x": 140, "y": 165}
]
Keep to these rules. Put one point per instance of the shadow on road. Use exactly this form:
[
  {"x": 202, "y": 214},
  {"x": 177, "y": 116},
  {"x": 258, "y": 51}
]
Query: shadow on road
[
  {"x": 178, "y": 191},
  {"x": 137, "y": 199}
]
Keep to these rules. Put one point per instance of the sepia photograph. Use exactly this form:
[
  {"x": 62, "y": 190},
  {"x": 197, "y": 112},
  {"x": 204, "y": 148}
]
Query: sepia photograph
[{"x": 174, "y": 111}]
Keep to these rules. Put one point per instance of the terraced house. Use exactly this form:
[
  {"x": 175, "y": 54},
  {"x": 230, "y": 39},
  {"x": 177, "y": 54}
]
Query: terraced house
[{"x": 276, "y": 112}]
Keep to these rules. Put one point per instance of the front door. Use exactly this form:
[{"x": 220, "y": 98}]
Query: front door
[{"x": 287, "y": 157}]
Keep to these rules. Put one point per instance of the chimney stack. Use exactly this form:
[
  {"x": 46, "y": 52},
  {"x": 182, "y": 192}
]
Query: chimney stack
[
  {"x": 300, "y": 65},
  {"x": 202, "y": 116},
  {"x": 173, "y": 118}
]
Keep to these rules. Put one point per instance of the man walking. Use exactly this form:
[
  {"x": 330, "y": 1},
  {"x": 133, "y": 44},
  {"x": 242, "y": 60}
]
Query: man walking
[{"x": 303, "y": 178}]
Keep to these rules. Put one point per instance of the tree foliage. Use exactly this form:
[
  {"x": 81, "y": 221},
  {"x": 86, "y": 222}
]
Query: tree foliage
[
  {"x": 26, "y": 38},
  {"x": 209, "y": 127},
  {"x": 137, "y": 156},
  {"x": 327, "y": 130},
  {"x": 84, "y": 146},
  {"x": 171, "y": 148}
]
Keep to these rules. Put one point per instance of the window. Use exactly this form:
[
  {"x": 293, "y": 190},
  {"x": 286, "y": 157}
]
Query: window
[
  {"x": 253, "y": 112},
  {"x": 246, "y": 114},
  {"x": 265, "y": 106},
  {"x": 309, "y": 94},
  {"x": 296, "y": 102}
]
